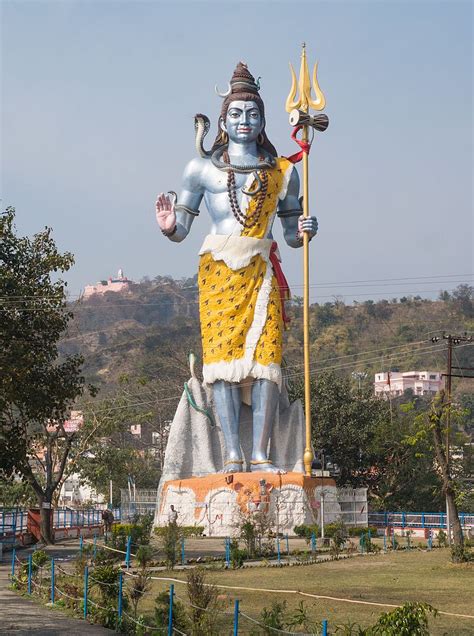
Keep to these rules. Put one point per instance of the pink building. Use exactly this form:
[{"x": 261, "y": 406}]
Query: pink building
[
  {"x": 119, "y": 284},
  {"x": 394, "y": 383}
]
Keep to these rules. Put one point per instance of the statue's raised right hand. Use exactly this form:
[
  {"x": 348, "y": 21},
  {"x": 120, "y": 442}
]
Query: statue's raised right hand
[{"x": 165, "y": 214}]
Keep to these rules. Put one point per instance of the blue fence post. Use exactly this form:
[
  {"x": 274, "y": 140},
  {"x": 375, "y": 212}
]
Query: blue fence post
[
  {"x": 403, "y": 519},
  {"x": 86, "y": 589},
  {"x": 422, "y": 519},
  {"x": 120, "y": 598},
  {"x": 287, "y": 545},
  {"x": 236, "y": 617},
  {"x": 30, "y": 570},
  {"x": 81, "y": 544},
  {"x": 313, "y": 542},
  {"x": 385, "y": 519},
  {"x": 278, "y": 550},
  {"x": 227, "y": 551},
  {"x": 170, "y": 614},
  {"x": 325, "y": 628},
  {"x": 430, "y": 539},
  {"x": 441, "y": 520},
  {"x": 52, "y": 580},
  {"x": 128, "y": 552},
  {"x": 13, "y": 561},
  {"x": 182, "y": 551}
]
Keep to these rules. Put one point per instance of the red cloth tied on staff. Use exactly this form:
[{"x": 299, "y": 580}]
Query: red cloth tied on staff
[
  {"x": 304, "y": 145},
  {"x": 283, "y": 286}
]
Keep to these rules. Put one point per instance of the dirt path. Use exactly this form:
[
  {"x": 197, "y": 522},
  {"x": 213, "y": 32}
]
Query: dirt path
[{"x": 21, "y": 616}]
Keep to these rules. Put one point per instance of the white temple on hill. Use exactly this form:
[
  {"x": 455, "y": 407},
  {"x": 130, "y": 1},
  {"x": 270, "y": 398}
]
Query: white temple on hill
[{"x": 119, "y": 284}]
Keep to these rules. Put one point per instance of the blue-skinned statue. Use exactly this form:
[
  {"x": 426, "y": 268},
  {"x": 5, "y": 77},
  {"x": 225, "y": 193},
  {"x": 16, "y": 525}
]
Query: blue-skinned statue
[{"x": 245, "y": 185}]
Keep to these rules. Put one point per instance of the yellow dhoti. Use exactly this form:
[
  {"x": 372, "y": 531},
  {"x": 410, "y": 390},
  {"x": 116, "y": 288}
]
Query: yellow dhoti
[{"x": 239, "y": 300}]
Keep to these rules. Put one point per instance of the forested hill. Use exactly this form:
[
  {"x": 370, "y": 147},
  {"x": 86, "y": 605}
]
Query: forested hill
[{"x": 149, "y": 332}]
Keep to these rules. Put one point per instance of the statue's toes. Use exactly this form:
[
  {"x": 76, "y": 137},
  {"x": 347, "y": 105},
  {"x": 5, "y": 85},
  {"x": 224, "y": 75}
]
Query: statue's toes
[
  {"x": 267, "y": 467},
  {"x": 232, "y": 467}
]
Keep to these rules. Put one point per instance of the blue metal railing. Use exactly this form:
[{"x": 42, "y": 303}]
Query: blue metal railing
[
  {"x": 14, "y": 521},
  {"x": 417, "y": 519}
]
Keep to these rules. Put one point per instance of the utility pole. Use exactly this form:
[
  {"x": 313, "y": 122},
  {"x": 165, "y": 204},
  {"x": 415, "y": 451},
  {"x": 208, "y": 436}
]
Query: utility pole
[{"x": 452, "y": 340}]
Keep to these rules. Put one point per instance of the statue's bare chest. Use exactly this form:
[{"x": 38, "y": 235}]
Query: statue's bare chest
[{"x": 216, "y": 193}]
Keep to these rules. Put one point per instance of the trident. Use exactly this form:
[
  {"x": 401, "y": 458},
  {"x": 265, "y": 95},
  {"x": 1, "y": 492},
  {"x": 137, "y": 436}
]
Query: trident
[{"x": 299, "y": 116}]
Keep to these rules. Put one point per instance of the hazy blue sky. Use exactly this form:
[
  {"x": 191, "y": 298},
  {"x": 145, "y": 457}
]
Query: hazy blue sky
[{"x": 98, "y": 101}]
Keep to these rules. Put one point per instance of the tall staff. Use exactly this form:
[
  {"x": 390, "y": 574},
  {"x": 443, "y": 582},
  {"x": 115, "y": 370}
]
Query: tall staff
[{"x": 300, "y": 117}]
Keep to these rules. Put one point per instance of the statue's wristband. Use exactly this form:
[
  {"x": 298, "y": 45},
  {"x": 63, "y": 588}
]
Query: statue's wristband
[
  {"x": 284, "y": 214},
  {"x": 184, "y": 208},
  {"x": 171, "y": 232}
]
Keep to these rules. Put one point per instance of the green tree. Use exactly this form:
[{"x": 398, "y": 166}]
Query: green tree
[
  {"x": 345, "y": 424},
  {"x": 37, "y": 389},
  {"x": 370, "y": 444},
  {"x": 106, "y": 449},
  {"x": 432, "y": 426}
]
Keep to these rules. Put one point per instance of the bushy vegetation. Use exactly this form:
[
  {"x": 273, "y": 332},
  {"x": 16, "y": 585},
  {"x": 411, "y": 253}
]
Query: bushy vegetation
[{"x": 139, "y": 530}]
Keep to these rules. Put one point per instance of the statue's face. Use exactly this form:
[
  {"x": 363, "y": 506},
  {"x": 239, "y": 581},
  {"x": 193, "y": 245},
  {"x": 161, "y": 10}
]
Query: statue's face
[{"x": 243, "y": 122}]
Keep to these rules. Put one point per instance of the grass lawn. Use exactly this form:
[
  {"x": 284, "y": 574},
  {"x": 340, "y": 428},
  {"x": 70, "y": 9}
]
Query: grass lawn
[{"x": 392, "y": 578}]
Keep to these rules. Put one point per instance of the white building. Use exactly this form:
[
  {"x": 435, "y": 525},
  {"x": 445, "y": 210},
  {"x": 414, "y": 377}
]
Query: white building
[
  {"x": 119, "y": 284},
  {"x": 394, "y": 383},
  {"x": 75, "y": 494}
]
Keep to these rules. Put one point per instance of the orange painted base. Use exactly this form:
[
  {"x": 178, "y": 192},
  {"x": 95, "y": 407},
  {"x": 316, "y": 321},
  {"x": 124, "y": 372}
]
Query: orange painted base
[{"x": 218, "y": 500}]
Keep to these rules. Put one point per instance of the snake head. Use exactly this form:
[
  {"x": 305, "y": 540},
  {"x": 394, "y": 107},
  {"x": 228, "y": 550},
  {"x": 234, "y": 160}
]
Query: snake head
[{"x": 203, "y": 120}]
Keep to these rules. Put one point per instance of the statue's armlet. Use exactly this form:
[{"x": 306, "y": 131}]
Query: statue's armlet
[
  {"x": 290, "y": 205},
  {"x": 289, "y": 210}
]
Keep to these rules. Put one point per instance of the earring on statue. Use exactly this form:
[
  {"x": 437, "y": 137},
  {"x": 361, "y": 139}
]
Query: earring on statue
[{"x": 224, "y": 137}]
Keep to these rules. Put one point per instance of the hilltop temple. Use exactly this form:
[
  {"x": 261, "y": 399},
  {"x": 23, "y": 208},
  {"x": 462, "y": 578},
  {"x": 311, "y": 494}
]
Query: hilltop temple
[{"x": 119, "y": 284}]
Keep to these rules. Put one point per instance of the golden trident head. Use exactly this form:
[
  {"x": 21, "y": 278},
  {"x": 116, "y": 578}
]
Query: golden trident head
[{"x": 305, "y": 101}]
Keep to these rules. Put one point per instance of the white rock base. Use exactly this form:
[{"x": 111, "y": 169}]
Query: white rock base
[{"x": 220, "y": 502}]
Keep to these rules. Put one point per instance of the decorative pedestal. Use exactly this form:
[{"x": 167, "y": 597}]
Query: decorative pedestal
[{"x": 219, "y": 501}]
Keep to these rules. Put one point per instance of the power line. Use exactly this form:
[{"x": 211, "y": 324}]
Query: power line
[
  {"x": 366, "y": 283},
  {"x": 107, "y": 306},
  {"x": 401, "y": 356}
]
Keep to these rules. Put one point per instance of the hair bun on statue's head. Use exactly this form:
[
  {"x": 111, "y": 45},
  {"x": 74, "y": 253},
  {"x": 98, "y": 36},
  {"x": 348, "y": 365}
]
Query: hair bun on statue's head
[{"x": 243, "y": 80}]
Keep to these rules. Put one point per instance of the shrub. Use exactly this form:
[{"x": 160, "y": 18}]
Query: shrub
[
  {"x": 144, "y": 555},
  {"x": 461, "y": 554},
  {"x": 237, "y": 556},
  {"x": 442, "y": 539},
  {"x": 274, "y": 618},
  {"x": 306, "y": 532},
  {"x": 409, "y": 620},
  {"x": 358, "y": 530},
  {"x": 139, "y": 531},
  {"x": 162, "y": 609},
  {"x": 106, "y": 578},
  {"x": 186, "y": 531},
  {"x": 140, "y": 585},
  {"x": 204, "y": 605},
  {"x": 170, "y": 540}
]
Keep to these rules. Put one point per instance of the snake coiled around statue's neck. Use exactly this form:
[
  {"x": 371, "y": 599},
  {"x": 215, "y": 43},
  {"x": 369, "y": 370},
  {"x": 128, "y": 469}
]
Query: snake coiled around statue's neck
[{"x": 202, "y": 126}]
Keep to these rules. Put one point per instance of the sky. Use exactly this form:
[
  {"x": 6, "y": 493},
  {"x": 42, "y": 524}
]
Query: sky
[{"x": 98, "y": 100}]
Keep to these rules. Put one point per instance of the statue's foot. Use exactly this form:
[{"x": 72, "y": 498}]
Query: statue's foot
[
  {"x": 233, "y": 466},
  {"x": 265, "y": 466}
]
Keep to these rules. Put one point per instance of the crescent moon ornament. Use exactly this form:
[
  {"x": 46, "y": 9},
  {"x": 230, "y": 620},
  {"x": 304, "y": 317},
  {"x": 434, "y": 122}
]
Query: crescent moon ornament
[{"x": 223, "y": 95}]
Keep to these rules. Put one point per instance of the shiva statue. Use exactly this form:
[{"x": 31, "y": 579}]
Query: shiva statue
[{"x": 244, "y": 184}]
